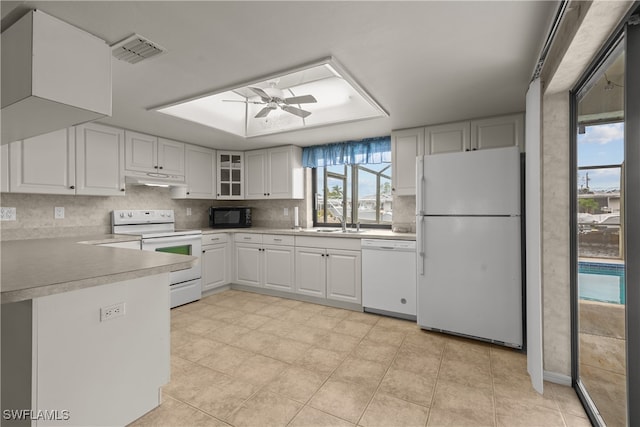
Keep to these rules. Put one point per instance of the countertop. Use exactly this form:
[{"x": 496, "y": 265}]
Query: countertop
[
  {"x": 366, "y": 233},
  {"x": 40, "y": 267}
]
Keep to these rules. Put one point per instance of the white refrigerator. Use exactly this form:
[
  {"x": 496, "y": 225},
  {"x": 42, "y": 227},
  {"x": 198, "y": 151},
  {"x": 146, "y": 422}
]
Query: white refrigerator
[{"x": 468, "y": 228}]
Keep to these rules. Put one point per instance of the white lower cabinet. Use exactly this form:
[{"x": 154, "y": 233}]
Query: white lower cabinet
[
  {"x": 248, "y": 264},
  {"x": 215, "y": 261},
  {"x": 311, "y": 272},
  {"x": 329, "y": 268},
  {"x": 323, "y": 268},
  {"x": 343, "y": 275},
  {"x": 264, "y": 261}
]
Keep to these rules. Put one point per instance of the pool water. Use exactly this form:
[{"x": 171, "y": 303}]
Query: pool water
[{"x": 601, "y": 282}]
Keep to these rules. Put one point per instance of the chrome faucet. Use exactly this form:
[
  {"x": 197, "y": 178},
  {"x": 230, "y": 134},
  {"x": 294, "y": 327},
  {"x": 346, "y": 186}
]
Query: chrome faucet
[{"x": 344, "y": 224}]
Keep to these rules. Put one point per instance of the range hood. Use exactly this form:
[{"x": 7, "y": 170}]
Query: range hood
[
  {"x": 54, "y": 75},
  {"x": 152, "y": 179}
]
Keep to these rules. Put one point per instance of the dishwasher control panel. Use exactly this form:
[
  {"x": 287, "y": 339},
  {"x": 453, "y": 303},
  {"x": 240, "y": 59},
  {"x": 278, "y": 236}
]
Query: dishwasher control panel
[{"x": 388, "y": 244}]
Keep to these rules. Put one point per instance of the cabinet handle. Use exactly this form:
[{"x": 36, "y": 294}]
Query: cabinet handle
[
  {"x": 188, "y": 193},
  {"x": 277, "y": 240},
  {"x": 72, "y": 187},
  {"x": 466, "y": 149},
  {"x": 161, "y": 167},
  {"x": 474, "y": 149},
  {"x": 155, "y": 167},
  {"x": 247, "y": 238},
  {"x": 264, "y": 194},
  {"x": 122, "y": 189}
]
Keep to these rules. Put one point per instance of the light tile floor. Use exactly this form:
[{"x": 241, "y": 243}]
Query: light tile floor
[{"x": 245, "y": 359}]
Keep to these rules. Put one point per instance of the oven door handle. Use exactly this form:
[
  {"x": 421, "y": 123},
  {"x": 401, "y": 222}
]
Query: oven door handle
[{"x": 162, "y": 241}]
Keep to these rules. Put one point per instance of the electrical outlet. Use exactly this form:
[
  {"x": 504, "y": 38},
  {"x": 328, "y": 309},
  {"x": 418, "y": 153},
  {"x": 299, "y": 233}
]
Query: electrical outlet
[
  {"x": 8, "y": 214},
  {"x": 286, "y": 211},
  {"x": 58, "y": 213},
  {"x": 111, "y": 312},
  {"x": 188, "y": 211}
]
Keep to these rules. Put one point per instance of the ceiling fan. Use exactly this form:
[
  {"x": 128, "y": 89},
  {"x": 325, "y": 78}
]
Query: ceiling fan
[{"x": 272, "y": 98}]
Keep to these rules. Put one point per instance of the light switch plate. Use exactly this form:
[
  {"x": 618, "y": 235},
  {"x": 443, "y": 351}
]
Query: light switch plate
[{"x": 58, "y": 213}]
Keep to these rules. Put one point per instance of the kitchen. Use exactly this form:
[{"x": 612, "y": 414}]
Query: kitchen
[{"x": 90, "y": 215}]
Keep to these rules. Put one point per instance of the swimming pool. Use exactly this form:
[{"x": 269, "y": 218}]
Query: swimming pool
[{"x": 603, "y": 282}]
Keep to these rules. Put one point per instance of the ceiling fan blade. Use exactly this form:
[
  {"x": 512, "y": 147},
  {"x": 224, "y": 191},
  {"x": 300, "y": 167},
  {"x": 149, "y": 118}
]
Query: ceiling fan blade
[
  {"x": 296, "y": 111},
  {"x": 303, "y": 99},
  {"x": 244, "y": 102},
  {"x": 262, "y": 94},
  {"x": 263, "y": 113}
]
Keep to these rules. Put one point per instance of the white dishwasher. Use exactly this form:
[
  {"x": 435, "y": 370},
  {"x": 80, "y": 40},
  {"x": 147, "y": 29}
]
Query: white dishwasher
[{"x": 389, "y": 277}]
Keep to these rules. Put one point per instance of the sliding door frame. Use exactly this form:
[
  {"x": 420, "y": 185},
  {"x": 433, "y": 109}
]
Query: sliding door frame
[
  {"x": 629, "y": 34},
  {"x": 632, "y": 210}
]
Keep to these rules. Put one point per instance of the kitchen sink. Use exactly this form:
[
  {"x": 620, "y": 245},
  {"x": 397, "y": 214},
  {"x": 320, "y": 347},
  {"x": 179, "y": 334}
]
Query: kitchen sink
[{"x": 337, "y": 230}]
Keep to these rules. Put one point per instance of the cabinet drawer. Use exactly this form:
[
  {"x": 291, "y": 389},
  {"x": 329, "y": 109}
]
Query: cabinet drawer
[
  {"x": 248, "y": 238},
  {"x": 212, "y": 239},
  {"x": 347, "y": 243},
  {"x": 278, "y": 239}
]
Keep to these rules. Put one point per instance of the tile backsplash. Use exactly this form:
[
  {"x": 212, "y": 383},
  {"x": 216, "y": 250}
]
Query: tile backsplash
[
  {"x": 87, "y": 215},
  {"x": 90, "y": 215}
]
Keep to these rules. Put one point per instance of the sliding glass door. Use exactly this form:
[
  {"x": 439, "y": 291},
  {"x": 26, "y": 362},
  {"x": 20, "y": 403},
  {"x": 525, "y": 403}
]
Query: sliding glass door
[{"x": 606, "y": 249}]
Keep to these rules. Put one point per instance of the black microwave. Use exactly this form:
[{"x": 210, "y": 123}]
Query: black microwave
[{"x": 229, "y": 217}]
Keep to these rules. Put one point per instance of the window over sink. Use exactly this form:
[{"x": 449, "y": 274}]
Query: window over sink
[
  {"x": 357, "y": 193},
  {"x": 351, "y": 182}
]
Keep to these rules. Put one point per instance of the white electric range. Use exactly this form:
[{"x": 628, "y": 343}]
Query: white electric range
[{"x": 156, "y": 229}]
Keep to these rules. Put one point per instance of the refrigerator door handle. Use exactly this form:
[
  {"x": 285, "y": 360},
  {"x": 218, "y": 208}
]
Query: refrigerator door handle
[
  {"x": 420, "y": 184},
  {"x": 421, "y": 254}
]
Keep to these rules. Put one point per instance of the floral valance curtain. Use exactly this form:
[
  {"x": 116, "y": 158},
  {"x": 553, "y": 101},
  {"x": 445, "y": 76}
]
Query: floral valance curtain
[{"x": 370, "y": 150}]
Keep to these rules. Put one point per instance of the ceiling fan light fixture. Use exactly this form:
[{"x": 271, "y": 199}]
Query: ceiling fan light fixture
[{"x": 317, "y": 94}]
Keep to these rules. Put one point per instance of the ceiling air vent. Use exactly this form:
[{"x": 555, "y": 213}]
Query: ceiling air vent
[{"x": 136, "y": 48}]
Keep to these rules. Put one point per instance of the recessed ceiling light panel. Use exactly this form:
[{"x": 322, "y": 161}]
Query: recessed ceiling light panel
[{"x": 319, "y": 94}]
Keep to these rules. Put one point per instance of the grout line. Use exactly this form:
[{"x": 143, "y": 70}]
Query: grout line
[
  {"x": 493, "y": 388},
  {"x": 435, "y": 384},
  {"x": 381, "y": 379}
]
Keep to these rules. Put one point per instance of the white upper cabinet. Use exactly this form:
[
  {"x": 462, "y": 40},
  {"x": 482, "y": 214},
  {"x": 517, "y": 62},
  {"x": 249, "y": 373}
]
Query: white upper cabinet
[
  {"x": 200, "y": 172},
  {"x": 44, "y": 164},
  {"x": 447, "y": 138},
  {"x": 481, "y": 134},
  {"x": 4, "y": 168},
  {"x": 496, "y": 132},
  {"x": 275, "y": 173},
  {"x": 406, "y": 145},
  {"x": 141, "y": 152},
  {"x": 255, "y": 172},
  {"x": 171, "y": 157},
  {"x": 285, "y": 175},
  {"x": 54, "y": 75},
  {"x": 99, "y": 160},
  {"x": 146, "y": 153},
  {"x": 230, "y": 176}
]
